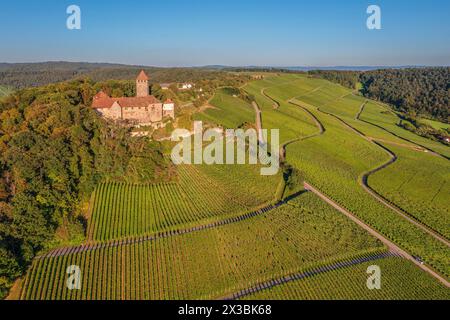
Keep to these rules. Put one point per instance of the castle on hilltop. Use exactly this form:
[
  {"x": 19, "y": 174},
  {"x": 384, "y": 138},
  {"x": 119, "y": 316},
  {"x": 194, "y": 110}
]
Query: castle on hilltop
[{"x": 142, "y": 110}]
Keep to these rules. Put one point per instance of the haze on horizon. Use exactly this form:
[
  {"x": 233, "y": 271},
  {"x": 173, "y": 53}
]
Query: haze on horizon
[{"x": 257, "y": 33}]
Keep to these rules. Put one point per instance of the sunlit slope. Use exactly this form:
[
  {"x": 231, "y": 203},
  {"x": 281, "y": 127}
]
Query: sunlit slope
[
  {"x": 343, "y": 103},
  {"x": 335, "y": 162},
  {"x": 227, "y": 111},
  {"x": 203, "y": 193},
  {"x": 400, "y": 280},
  {"x": 210, "y": 263},
  {"x": 378, "y": 115},
  {"x": 436, "y": 124},
  {"x": 419, "y": 183},
  {"x": 292, "y": 122},
  {"x": 233, "y": 112}
]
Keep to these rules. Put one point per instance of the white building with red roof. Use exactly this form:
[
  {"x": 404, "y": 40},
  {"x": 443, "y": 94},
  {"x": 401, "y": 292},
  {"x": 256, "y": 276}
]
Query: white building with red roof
[{"x": 142, "y": 110}]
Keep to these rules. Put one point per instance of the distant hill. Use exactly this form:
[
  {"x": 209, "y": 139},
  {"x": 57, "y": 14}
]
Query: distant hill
[
  {"x": 351, "y": 68},
  {"x": 305, "y": 68},
  {"x": 23, "y": 75}
]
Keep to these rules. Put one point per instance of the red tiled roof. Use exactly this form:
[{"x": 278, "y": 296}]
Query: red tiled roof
[
  {"x": 137, "y": 101},
  {"x": 102, "y": 100},
  {"x": 142, "y": 76}
]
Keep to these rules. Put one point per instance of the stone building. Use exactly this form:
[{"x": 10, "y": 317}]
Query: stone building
[{"x": 142, "y": 110}]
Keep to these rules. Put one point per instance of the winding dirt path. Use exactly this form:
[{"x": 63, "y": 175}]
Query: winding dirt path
[
  {"x": 258, "y": 123},
  {"x": 276, "y": 104},
  {"x": 358, "y": 117},
  {"x": 315, "y": 120}
]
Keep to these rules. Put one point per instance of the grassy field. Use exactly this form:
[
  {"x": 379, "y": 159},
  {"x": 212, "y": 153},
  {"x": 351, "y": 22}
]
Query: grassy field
[
  {"x": 378, "y": 115},
  {"x": 293, "y": 123},
  {"x": 211, "y": 263},
  {"x": 400, "y": 280}
]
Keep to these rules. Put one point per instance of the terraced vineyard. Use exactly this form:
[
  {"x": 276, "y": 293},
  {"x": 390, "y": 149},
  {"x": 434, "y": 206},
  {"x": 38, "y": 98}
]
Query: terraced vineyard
[
  {"x": 378, "y": 115},
  {"x": 228, "y": 111},
  {"x": 335, "y": 162},
  {"x": 203, "y": 193},
  {"x": 333, "y": 138},
  {"x": 400, "y": 280},
  {"x": 211, "y": 263},
  {"x": 419, "y": 183}
]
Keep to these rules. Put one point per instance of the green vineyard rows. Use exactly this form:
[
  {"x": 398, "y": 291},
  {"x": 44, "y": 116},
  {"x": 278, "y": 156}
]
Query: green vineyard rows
[
  {"x": 335, "y": 162},
  {"x": 419, "y": 183},
  {"x": 203, "y": 192},
  {"x": 400, "y": 280},
  {"x": 210, "y": 263}
]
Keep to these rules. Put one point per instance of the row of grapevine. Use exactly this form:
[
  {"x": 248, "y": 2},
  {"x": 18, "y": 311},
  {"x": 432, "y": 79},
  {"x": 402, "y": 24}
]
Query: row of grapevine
[
  {"x": 400, "y": 280},
  {"x": 204, "y": 192},
  {"x": 334, "y": 163},
  {"x": 210, "y": 263},
  {"x": 419, "y": 183}
]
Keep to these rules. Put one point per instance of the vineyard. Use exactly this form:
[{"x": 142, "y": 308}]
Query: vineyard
[
  {"x": 335, "y": 162},
  {"x": 293, "y": 123},
  {"x": 127, "y": 258},
  {"x": 212, "y": 263},
  {"x": 228, "y": 111},
  {"x": 419, "y": 183},
  {"x": 378, "y": 115},
  {"x": 203, "y": 193},
  {"x": 401, "y": 280}
]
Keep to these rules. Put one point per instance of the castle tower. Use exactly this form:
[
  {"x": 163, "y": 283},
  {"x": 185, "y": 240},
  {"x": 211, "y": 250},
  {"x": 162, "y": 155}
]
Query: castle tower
[{"x": 142, "y": 85}]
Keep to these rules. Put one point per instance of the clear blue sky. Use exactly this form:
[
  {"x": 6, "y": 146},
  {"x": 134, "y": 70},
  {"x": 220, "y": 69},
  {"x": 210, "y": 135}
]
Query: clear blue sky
[{"x": 245, "y": 32}]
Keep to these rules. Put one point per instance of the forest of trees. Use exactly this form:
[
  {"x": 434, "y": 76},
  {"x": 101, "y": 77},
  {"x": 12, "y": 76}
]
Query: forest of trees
[
  {"x": 423, "y": 92},
  {"x": 54, "y": 150},
  {"x": 37, "y": 74}
]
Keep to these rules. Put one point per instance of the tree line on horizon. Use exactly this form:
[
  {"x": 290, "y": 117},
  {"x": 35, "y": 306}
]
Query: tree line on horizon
[{"x": 19, "y": 76}]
